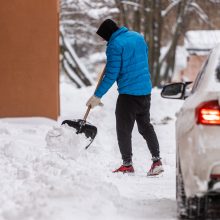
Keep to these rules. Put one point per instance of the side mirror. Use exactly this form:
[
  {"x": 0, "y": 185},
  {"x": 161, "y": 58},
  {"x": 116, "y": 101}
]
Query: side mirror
[{"x": 173, "y": 91}]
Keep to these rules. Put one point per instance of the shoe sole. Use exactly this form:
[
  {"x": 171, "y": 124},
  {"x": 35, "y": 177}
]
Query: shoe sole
[
  {"x": 156, "y": 174},
  {"x": 125, "y": 172}
]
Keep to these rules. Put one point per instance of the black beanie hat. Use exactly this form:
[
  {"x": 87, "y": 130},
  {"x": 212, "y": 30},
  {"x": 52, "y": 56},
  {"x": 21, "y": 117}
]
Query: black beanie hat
[{"x": 106, "y": 29}]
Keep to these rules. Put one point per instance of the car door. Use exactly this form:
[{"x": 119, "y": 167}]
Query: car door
[
  {"x": 186, "y": 116},
  {"x": 184, "y": 128}
]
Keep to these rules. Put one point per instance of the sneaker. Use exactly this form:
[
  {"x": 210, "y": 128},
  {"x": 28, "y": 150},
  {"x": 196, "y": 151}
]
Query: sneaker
[
  {"x": 156, "y": 168},
  {"x": 124, "y": 169}
]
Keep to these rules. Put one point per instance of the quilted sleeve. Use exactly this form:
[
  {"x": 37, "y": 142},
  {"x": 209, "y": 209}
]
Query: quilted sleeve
[{"x": 113, "y": 66}]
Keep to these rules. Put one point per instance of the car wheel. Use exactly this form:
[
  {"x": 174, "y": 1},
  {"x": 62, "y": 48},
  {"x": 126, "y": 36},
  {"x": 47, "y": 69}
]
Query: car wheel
[
  {"x": 180, "y": 195},
  {"x": 187, "y": 208}
]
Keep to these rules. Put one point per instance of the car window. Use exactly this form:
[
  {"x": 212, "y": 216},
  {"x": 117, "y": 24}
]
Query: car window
[{"x": 199, "y": 76}]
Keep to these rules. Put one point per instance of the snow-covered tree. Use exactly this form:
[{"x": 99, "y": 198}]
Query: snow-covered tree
[
  {"x": 162, "y": 22},
  {"x": 149, "y": 17},
  {"x": 80, "y": 20}
]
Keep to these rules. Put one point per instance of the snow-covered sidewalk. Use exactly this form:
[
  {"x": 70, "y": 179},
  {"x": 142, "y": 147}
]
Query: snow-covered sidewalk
[{"x": 39, "y": 182}]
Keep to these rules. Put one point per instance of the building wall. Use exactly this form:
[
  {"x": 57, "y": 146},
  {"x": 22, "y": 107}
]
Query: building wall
[
  {"x": 29, "y": 58},
  {"x": 194, "y": 64}
]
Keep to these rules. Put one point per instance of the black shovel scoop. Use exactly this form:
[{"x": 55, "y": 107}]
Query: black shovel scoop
[{"x": 81, "y": 125}]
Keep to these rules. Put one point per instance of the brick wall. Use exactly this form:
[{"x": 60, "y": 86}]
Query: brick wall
[{"x": 29, "y": 63}]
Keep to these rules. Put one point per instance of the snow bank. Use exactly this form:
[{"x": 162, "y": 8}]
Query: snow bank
[
  {"x": 44, "y": 178},
  {"x": 65, "y": 140}
]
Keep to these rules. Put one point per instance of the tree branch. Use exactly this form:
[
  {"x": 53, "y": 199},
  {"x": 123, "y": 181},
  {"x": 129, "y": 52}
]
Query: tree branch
[
  {"x": 169, "y": 8},
  {"x": 131, "y": 3}
]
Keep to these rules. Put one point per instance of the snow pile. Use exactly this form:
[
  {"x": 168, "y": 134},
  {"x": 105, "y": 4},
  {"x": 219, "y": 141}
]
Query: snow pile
[
  {"x": 64, "y": 139},
  {"x": 39, "y": 184},
  {"x": 45, "y": 178}
]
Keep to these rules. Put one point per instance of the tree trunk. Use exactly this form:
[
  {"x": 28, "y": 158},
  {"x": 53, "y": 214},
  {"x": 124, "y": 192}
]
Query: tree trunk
[
  {"x": 73, "y": 64},
  {"x": 156, "y": 41},
  {"x": 169, "y": 57},
  {"x": 122, "y": 14}
]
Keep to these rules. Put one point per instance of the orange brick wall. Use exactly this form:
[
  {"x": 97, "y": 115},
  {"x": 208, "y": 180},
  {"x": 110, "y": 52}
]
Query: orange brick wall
[{"x": 29, "y": 58}]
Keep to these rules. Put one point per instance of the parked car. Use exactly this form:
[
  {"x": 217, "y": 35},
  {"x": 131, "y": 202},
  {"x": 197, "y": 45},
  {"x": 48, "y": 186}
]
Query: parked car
[{"x": 198, "y": 142}]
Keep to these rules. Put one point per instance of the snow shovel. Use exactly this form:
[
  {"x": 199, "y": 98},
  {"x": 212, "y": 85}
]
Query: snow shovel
[{"x": 81, "y": 125}]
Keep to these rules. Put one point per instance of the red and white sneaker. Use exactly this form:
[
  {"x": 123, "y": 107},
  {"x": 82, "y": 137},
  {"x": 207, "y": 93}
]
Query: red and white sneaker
[
  {"x": 124, "y": 169},
  {"x": 156, "y": 169}
]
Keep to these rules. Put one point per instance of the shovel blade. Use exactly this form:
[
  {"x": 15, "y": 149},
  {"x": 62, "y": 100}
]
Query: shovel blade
[{"x": 84, "y": 127}]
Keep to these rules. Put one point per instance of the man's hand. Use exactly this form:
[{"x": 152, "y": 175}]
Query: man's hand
[{"x": 93, "y": 102}]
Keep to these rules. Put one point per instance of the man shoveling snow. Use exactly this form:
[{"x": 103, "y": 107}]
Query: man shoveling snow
[{"x": 127, "y": 63}]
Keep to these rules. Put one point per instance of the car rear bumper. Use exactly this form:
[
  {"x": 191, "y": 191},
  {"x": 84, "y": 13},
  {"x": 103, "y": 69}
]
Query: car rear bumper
[{"x": 199, "y": 158}]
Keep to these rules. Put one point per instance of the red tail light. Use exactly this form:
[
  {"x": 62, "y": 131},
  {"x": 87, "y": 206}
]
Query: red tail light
[
  {"x": 208, "y": 113},
  {"x": 215, "y": 176}
]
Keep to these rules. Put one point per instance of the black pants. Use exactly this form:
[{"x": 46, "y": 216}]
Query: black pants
[{"x": 129, "y": 109}]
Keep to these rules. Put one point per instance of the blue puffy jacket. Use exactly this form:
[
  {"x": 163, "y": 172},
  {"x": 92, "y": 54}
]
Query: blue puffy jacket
[{"x": 127, "y": 63}]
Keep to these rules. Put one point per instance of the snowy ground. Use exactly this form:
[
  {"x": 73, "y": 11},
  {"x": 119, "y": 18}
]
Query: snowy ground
[{"x": 63, "y": 181}]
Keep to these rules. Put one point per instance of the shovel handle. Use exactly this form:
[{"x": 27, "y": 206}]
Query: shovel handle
[
  {"x": 99, "y": 81},
  {"x": 100, "y": 77},
  {"x": 87, "y": 113}
]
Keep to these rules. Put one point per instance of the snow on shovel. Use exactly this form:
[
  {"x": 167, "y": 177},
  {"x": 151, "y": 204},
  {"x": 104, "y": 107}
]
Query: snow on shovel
[{"x": 81, "y": 125}]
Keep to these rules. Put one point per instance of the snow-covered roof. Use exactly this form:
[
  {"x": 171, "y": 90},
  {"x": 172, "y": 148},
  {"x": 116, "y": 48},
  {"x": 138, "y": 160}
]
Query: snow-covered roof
[{"x": 201, "y": 41}]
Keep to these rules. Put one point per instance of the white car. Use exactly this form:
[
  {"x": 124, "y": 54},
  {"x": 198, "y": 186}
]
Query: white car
[{"x": 198, "y": 142}]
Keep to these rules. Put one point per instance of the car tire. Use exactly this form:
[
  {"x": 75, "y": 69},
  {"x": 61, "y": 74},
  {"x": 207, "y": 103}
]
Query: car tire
[
  {"x": 180, "y": 195},
  {"x": 187, "y": 208}
]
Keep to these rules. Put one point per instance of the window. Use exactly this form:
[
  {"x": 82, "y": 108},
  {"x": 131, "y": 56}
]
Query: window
[{"x": 200, "y": 76}]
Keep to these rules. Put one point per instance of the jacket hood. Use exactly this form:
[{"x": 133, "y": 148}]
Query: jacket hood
[
  {"x": 121, "y": 30},
  {"x": 106, "y": 29}
]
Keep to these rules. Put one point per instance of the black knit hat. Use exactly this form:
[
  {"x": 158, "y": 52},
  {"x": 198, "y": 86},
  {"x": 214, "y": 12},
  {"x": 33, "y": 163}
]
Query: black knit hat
[{"x": 106, "y": 29}]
